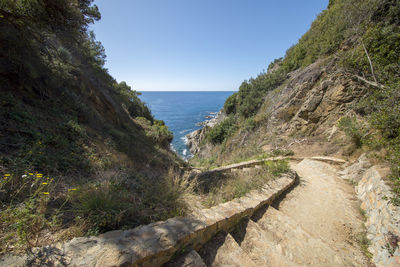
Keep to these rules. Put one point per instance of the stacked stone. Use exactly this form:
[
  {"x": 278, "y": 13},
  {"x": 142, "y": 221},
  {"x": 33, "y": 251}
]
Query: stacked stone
[{"x": 383, "y": 218}]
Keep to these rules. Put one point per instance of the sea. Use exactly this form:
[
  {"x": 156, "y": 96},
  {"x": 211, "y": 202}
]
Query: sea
[{"x": 182, "y": 111}]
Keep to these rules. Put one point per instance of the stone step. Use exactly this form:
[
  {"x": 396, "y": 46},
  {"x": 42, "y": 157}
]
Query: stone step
[
  {"x": 296, "y": 244},
  {"x": 189, "y": 259},
  {"x": 257, "y": 244},
  {"x": 222, "y": 250}
]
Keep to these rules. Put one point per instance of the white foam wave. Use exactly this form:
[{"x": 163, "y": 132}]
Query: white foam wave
[
  {"x": 184, "y": 131},
  {"x": 172, "y": 147},
  {"x": 184, "y": 139}
]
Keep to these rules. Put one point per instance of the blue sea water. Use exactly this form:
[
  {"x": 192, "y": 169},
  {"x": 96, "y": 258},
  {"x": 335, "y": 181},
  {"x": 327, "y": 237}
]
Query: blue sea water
[{"x": 182, "y": 110}]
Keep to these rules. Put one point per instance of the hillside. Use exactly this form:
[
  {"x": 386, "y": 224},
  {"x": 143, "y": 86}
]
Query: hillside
[
  {"x": 336, "y": 92},
  {"x": 76, "y": 146},
  {"x": 289, "y": 174}
]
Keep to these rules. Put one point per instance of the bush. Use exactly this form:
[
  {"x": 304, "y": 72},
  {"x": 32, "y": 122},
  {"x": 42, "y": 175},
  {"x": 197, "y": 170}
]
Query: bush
[
  {"x": 230, "y": 104},
  {"x": 27, "y": 213},
  {"x": 160, "y": 133},
  {"x": 353, "y": 129},
  {"x": 220, "y": 132},
  {"x": 222, "y": 187},
  {"x": 277, "y": 167},
  {"x": 126, "y": 201},
  {"x": 157, "y": 131},
  {"x": 251, "y": 93},
  {"x": 249, "y": 124},
  {"x": 130, "y": 99}
]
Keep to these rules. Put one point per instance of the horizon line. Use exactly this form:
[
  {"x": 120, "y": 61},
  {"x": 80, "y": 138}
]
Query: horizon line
[{"x": 185, "y": 91}]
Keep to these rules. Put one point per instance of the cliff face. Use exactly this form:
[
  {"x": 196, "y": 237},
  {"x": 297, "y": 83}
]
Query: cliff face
[
  {"x": 195, "y": 138},
  {"x": 344, "y": 67},
  {"x": 312, "y": 101},
  {"x": 302, "y": 112}
]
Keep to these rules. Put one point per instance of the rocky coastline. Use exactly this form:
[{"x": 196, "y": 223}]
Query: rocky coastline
[{"x": 194, "y": 138}]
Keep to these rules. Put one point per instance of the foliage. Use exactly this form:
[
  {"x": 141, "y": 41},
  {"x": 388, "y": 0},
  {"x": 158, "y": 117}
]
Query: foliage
[
  {"x": 157, "y": 131},
  {"x": 251, "y": 93},
  {"x": 130, "y": 99},
  {"x": 277, "y": 167},
  {"x": 353, "y": 129},
  {"x": 230, "y": 104},
  {"x": 26, "y": 214},
  {"x": 220, "y": 132},
  {"x": 248, "y": 124},
  {"x": 35, "y": 204},
  {"x": 384, "y": 107},
  {"x": 63, "y": 114},
  {"x": 127, "y": 201},
  {"x": 228, "y": 186}
]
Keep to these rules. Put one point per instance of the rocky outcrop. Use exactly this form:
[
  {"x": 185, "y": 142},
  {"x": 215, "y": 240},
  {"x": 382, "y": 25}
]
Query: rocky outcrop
[
  {"x": 382, "y": 217},
  {"x": 194, "y": 138},
  {"x": 314, "y": 99},
  {"x": 156, "y": 243},
  {"x": 307, "y": 105}
]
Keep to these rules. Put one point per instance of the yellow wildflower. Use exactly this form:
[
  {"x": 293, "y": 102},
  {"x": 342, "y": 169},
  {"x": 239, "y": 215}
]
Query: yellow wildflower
[
  {"x": 44, "y": 183},
  {"x": 7, "y": 174},
  {"x": 45, "y": 193},
  {"x": 30, "y": 173},
  {"x": 39, "y": 175}
]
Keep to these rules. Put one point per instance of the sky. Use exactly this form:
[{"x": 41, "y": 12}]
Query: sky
[{"x": 198, "y": 45}]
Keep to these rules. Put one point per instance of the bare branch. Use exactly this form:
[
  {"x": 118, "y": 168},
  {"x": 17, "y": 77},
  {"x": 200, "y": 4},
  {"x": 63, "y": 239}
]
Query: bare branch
[
  {"x": 375, "y": 84},
  {"x": 369, "y": 60}
]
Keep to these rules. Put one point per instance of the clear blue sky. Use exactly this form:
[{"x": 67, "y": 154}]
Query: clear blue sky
[{"x": 198, "y": 45}]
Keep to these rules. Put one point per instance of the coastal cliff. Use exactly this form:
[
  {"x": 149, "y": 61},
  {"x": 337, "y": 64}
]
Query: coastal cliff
[
  {"x": 336, "y": 94},
  {"x": 195, "y": 138}
]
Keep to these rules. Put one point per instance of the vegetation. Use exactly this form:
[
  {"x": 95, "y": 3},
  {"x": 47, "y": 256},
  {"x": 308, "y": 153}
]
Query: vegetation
[
  {"x": 64, "y": 116},
  {"x": 354, "y": 130},
  {"x": 222, "y": 131},
  {"x": 36, "y": 205},
  {"x": 229, "y": 186},
  {"x": 362, "y": 39}
]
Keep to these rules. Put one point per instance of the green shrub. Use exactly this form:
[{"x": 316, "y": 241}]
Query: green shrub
[
  {"x": 160, "y": 134},
  {"x": 130, "y": 200},
  {"x": 26, "y": 213},
  {"x": 353, "y": 129},
  {"x": 277, "y": 167},
  {"x": 220, "y": 132},
  {"x": 130, "y": 99},
  {"x": 249, "y": 124},
  {"x": 282, "y": 152},
  {"x": 157, "y": 131},
  {"x": 384, "y": 106},
  {"x": 230, "y": 104},
  {"x": 222, "y": 187}
]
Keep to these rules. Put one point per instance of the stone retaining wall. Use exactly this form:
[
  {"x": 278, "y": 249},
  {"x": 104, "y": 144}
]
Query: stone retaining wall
[
  {"x": 156, "y": 243},
  {"x": 382, "y": 217},
  {"x": 255, "y": 162}
]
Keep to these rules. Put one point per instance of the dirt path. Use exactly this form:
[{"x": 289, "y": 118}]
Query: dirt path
[
  {"x": 325, "y": 206},
  {"x": 317, "y": 223}
]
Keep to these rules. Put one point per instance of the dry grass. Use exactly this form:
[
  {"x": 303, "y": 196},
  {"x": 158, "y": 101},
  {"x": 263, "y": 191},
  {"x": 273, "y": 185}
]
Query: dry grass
[{"x": 220, "y": 187}]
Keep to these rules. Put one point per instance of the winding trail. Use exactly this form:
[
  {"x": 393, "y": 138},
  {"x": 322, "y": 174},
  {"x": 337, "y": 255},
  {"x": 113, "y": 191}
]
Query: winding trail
[
  {"x": 326, "y": 207},
  {"x": 315, "y": 224}
]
